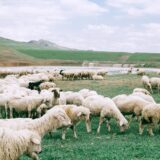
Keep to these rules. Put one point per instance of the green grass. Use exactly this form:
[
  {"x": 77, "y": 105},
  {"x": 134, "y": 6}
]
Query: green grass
[{"x": 106, "y": 146}]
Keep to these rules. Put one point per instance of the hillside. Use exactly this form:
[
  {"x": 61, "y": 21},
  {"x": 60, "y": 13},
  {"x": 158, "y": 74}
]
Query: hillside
[{"x": 44, "y": 52}]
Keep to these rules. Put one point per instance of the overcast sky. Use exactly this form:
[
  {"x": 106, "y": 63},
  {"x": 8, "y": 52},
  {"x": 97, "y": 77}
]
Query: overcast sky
[{"x": 112, "y": 25}]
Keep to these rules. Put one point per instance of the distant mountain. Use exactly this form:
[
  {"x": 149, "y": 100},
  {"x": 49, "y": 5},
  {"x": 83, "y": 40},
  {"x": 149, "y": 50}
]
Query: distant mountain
[
  {"x": 47, "y": 44},
  {"x": 33, "y": 44}
]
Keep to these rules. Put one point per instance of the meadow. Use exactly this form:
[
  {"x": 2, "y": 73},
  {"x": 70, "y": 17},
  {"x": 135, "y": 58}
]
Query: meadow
[{"x": 111, "y": 146}]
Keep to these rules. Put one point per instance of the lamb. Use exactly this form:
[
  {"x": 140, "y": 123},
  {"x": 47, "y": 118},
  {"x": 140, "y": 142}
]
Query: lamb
[
  {"x": 53, "y": 119},
  {"x": 76, "y": 114},
  {"x": 47, "y": 85},
  {"x": 150, "y": 117},
  {"x": 142, "y": 90},
  {"x": 146, "y": 83},
  {"x": 16, "y": 143},
  {"x": 106, "y": 108}
]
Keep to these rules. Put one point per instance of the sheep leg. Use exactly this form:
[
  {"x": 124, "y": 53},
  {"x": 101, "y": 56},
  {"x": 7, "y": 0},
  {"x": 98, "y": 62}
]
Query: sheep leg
[
  {"x": 100, "y": 123},
  {"x": 150, "y": 129},
  {"x": 64, "y": 133},
  {"x": 108, "y": 126},
  {"x": 29, "y": 113},
  {"x": 141, "y": 128},
  {"x": 11, "y": 112},
  {"x": 88, "y": 126},
  {"x": 74, "y": 131},
  {"x": 34, "y": 156},
  {"x": 6, "y": 111}
]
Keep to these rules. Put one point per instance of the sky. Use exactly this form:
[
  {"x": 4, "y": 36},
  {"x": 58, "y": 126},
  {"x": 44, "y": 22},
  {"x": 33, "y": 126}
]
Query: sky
[{"x": 107, "y": 25}]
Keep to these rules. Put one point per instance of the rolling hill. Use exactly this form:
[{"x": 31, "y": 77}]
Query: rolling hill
[{"x": 43, "y": 52}]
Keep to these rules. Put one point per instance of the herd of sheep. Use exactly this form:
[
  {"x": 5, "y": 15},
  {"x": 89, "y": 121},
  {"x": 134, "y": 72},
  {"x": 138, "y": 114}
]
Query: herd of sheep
[{"x": 33, "y": 106}]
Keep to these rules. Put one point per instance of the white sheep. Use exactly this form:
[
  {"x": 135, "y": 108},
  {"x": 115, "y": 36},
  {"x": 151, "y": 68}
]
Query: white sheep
[
  {"x": 74, "y": 98},
  {"x": 141, "y": 71},
  {"x": 106, "y": 108},
  {"x": 76, "y": 114},
  {"x": 53, "y": 119},
  {"x": 47, "y": 85},
  {"x": 148, "y": 98},
  {"x": 146, "y": 83},
  {"x": 131, "y": 104},
  {"x": 150, "y": 117},
  {"x": 14, "y": 144},
  {"x": 141, "y": 90},
  {"x": 155, "y": 83},
  {"x": 97, "y": 77},
  {"x": 86, "y": 93}
]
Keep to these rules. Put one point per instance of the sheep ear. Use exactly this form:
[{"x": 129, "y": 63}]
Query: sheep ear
[
  {"x": 79, "y": 114},
  {"x": 35, "y": 141}
]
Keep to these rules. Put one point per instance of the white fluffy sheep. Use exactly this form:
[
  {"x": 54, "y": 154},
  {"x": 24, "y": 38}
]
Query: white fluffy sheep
[
  {"x": 141, "y": 90},
  {"x": 47, "y": 85},
  {"x": 53, "y": 119},
  {"x": 141, "y": 71},
  {"x": 76, "y": 114},
  {"x": 148, "y": 98},
  {"x": 74, "y": 98},
  {"x": 16, "y": 143},
  {"x": 146, "y": 83},
  {"x": 150, "y": 117},
  {"x": 155, "y": 83},
  {"x": 106, "y": 108},
  {"x": 86, "y": 93},
  {"x": 97, "y": 77}
]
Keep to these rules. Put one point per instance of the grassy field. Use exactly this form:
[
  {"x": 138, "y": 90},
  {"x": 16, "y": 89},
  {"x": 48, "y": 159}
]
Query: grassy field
[{"x": 110, "y": 146}]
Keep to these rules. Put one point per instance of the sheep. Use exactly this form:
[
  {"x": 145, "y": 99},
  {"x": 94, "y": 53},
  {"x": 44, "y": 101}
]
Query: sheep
[
  {"x": 51, "y": 96},
  {"x": 86, "y": 93},
  {"x": 148, "y": 98},
  {"x": 142, "y": 90},
  {"x": 76, "y": 114},
  {"x": 16, "y": 143},
  {"x": 35, "y": 85},
  {"x": 53, "y": 119},
  {"x": 150, "y": 117},
  {"x": 155, "y": 83},
  {"x": 106, "y": 108},
  {"x": 47, "y": 85},
  {"x": 74, "y": 98},
  {"x": 28, "y": 103},
  {"x": 146, "y": 83},
  {"x": 141, "y": 72},
  {"x": 97, "y": 77},
  {"x": 131, "y": 104}
]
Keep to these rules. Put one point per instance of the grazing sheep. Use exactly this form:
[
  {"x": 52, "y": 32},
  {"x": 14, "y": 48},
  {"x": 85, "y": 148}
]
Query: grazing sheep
[
  {"x": 131, "y": 104},
  {"x": 28, "y": 104},
  {"x": 97, "y": 77},
  {"x": 150, "y": 117},
  {"x": 141, "y": 72},
  {"x": 47, "y": 85},
  {"x": 53, "y": 119},
  {"x": 106, "y": 108},
  {"x": 14, "y": 144},
  {"x": 35, "y": 85},
  {"x": 155, "y": 83},
  {"x": 148, "y": 98},
  {"x": 146, "y": 83},
  {"x": 142, "y": 90},
  {"x": 76, "y": 114},
  {"x": 74, "y": 98},
  {"x": 86, "y": 93}
]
